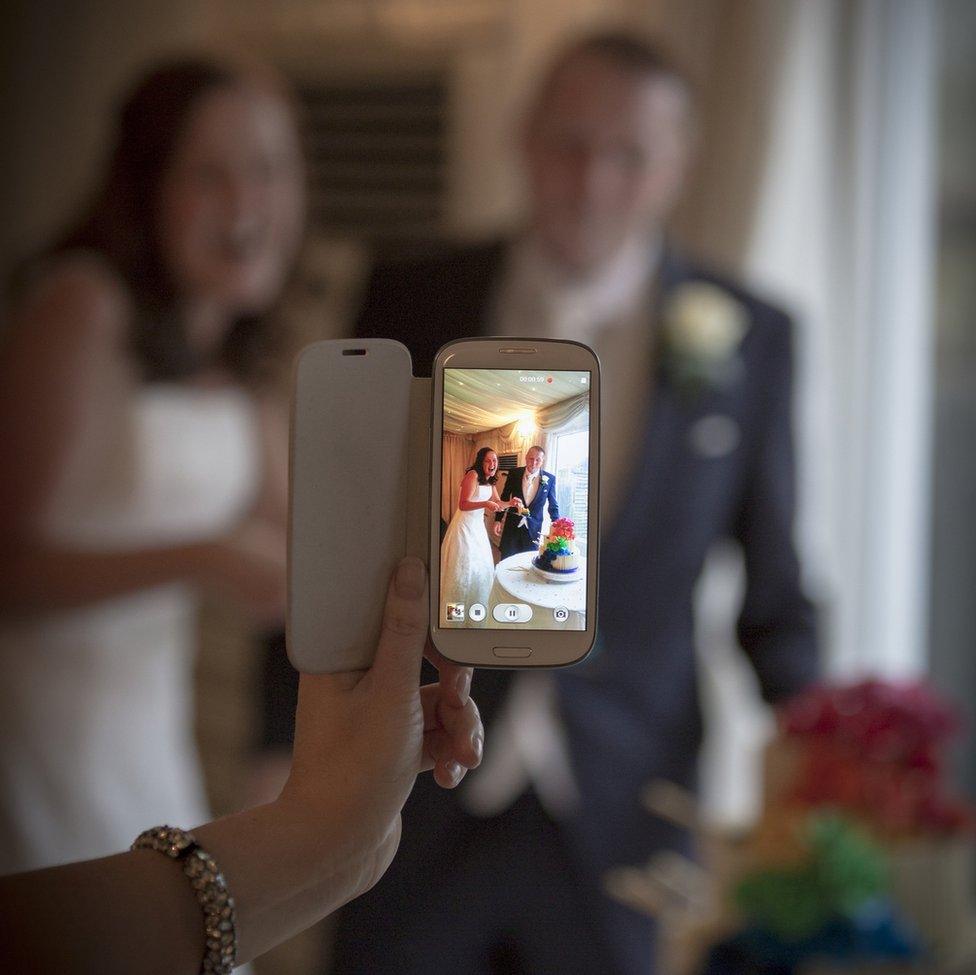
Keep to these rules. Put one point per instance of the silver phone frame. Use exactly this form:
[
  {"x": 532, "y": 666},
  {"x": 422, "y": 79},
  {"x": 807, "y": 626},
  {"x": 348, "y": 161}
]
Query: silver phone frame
[{"x": 473, "y": 646}]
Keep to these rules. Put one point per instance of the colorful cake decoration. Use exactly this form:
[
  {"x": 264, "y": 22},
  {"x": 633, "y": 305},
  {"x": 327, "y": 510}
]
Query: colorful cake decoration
[{"x": 557, "y": 553}]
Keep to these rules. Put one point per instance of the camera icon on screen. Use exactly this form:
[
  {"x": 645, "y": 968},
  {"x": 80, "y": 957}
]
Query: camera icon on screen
[{"x": 560, "y": 614}]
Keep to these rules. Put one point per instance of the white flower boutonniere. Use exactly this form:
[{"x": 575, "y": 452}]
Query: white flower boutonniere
[
  {"x": 703, "y": 327},
  {"x": 545, "y": 479}
]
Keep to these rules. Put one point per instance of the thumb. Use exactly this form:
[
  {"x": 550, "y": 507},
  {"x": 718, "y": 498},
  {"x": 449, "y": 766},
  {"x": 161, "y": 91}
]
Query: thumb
[{"x": 404, "y": 631}]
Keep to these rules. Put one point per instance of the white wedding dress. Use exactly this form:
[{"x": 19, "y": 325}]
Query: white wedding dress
[
  {"x": 96, "y": 703},
  {"x": 467, "y": 568}
]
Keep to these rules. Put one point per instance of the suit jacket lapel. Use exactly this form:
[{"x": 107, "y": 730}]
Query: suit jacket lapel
[{"x": 517, "y": 476}]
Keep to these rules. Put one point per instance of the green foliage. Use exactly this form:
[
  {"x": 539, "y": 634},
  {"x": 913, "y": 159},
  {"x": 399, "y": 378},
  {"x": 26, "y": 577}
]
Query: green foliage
[{"x": 844, "y": 870}]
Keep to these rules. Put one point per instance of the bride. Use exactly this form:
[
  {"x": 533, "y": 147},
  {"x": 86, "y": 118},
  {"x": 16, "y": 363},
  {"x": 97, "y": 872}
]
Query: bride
[{"x": 467, "y": 566}]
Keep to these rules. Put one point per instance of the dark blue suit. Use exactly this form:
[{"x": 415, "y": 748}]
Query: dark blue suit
[
  {"x": 630, "y": 711},
  {"x": 517, "y": 539}
]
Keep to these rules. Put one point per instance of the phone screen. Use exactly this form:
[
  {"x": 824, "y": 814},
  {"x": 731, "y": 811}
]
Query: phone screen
[{"x": 515, "y": 495}]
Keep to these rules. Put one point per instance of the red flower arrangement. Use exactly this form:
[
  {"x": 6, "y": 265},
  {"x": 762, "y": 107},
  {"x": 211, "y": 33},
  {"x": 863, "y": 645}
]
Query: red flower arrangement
[{"x": 876, "y": 749}]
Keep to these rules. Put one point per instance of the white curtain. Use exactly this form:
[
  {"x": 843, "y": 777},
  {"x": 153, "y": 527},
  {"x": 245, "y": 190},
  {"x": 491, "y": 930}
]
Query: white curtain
[
  {"x": 458, "y": 453},
  {"x": 845, "y": 234},
  {"x": 842, "y": 234}
]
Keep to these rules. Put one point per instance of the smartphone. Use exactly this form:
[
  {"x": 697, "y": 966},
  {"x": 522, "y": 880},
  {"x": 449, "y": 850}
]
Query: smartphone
[{"x": 514, "y": 516}]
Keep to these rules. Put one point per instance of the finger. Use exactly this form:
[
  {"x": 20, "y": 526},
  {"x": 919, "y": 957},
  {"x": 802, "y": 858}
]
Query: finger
[
  {"x": 449, "y": 774},
  {"x": 454, "y": 677},
  {"x": 404, "y": 631},
  {"x": 440, "y": 747},
  {"x": 460, "y": 728},
  {"x": 440, "y": 713}
]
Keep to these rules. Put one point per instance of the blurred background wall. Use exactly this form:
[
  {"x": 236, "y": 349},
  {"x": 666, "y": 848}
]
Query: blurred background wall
[{"x": 468, "y": 62}]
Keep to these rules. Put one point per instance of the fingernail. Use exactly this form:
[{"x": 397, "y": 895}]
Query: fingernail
[
  {"x": 463, "y": 686},
  {"x": 477, "y": 744},
  {"x": 453, "y": 769},
  {"x": 411, "y": 577}
]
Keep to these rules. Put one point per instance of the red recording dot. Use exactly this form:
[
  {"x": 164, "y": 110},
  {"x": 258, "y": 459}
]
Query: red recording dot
[{"x": 548, "y": 379}]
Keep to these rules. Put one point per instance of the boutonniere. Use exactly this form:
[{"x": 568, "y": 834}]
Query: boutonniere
[
  {"x": 703, "y": 327},
  {"x": 545, "y": 479}
]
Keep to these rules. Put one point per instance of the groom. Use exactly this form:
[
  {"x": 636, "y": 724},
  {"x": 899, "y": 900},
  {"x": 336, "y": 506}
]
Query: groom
[
  {"x": 533, "y": 486},
  {"x": 526, "y": 842}
]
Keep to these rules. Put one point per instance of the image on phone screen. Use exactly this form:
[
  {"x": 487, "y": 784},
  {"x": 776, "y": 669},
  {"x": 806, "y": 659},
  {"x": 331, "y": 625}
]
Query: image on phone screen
[{"x": 515, "y": 491}]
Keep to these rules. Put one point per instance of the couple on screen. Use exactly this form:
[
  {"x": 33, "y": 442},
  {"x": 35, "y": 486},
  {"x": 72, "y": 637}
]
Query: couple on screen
[{"x": 467, "y": 566}]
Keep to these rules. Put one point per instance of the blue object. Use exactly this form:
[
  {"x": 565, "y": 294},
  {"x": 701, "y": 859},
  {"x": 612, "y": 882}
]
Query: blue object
[{"x": 873, "y": 933}]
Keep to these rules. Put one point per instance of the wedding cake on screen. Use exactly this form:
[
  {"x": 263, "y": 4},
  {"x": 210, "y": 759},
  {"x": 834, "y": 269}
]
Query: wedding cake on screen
[{"x": 558, "y": 557}]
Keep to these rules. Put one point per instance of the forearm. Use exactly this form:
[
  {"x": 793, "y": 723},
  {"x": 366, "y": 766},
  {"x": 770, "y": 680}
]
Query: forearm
[
  {"x": 34, "y": 579},
  {"x": 506, "y": 495},
  {"x": 125, "y": 913},
  {"x": 272, "y": 500},
  {"x": 285, "y": 866}
]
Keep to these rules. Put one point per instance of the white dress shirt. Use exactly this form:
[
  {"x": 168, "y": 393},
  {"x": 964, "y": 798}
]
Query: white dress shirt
[
  {"x": 530, "y": 485},
  {"x": 610, "y": 312}
]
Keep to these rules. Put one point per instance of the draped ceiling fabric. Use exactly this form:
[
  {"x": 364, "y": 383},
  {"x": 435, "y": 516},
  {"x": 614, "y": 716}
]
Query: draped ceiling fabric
[
  {"x": 532, "y": 419},
  {"x": 476, "y": 400}
]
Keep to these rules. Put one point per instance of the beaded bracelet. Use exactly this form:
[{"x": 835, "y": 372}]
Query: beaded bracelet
[{"x": 210, "y": 888}]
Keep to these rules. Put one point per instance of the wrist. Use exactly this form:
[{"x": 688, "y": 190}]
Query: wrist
[
  {"x": 340, "y": 846},
  {"x": 356, "y": 817}
]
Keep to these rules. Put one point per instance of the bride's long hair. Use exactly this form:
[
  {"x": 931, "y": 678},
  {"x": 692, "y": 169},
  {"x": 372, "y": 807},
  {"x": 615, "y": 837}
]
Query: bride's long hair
[{"x": 479, "y": 466}]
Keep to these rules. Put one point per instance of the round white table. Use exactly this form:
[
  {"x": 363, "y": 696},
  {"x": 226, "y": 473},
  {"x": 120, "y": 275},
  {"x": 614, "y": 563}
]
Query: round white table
[{"x": 516, "y": 581}]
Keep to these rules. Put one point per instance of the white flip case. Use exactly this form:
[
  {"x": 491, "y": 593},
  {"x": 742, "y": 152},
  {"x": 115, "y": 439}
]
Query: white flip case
[{"x": 359, "y": 495}]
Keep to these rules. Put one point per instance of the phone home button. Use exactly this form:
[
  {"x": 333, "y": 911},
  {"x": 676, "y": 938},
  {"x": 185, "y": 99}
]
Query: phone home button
[{"x": 512, "y": 651}]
